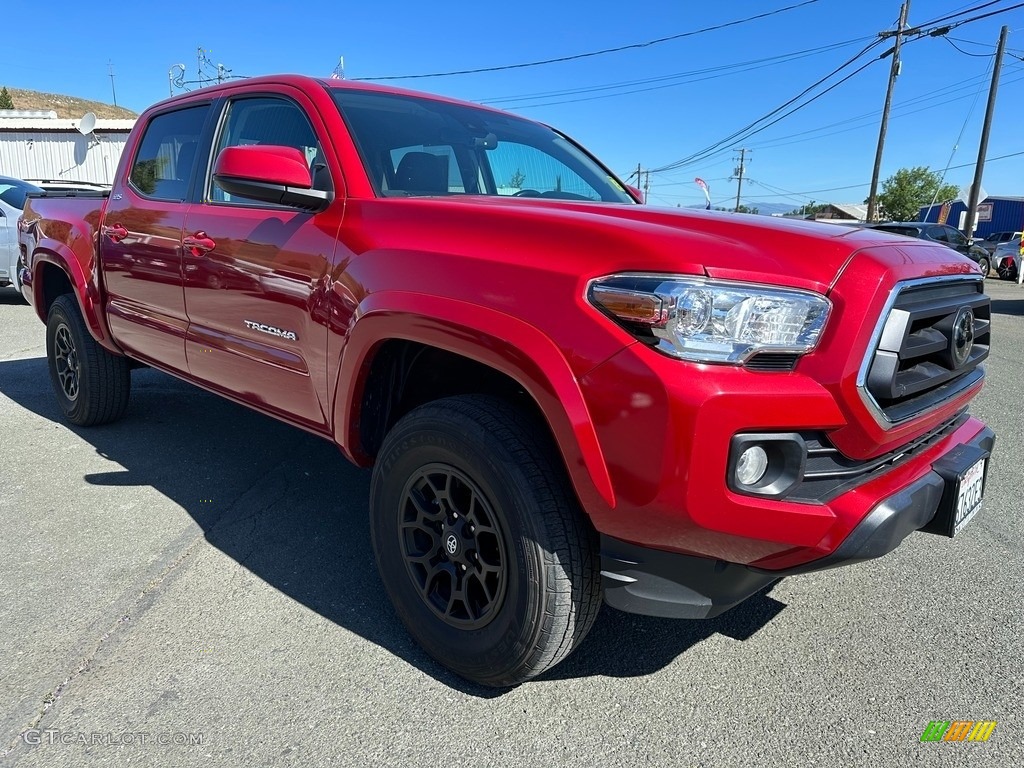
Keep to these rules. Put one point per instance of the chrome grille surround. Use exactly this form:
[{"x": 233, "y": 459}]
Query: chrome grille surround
[{"x": 915, "y": 361}]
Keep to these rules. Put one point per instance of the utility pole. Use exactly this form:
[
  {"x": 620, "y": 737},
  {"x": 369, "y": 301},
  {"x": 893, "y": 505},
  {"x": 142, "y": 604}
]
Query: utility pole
[
  {"x": 740, "y": 170},
  {"x": 979, "y": 169},
  {"x": 894, "y": 71},
  {"x": 647, "y": 186},
  {"x": 110, "y": 70}
]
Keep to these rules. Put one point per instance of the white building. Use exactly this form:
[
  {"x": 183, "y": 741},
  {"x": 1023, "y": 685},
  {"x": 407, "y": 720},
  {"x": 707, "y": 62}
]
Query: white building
[{"x": 39, "y": 145}]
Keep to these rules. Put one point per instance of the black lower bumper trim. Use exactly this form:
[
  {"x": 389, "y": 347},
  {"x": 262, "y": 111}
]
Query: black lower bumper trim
[{"x": 657, "y": 583}]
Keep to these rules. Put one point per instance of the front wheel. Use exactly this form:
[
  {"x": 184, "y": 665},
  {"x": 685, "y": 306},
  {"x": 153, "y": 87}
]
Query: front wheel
[
  {"x": 480, "y": 542},
  {"x": 91, "y": 384},
  {"x": 984, "y": 266}
]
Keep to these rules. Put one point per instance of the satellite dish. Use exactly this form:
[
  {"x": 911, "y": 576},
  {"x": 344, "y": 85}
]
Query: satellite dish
[{"x": 87, "y": 123}]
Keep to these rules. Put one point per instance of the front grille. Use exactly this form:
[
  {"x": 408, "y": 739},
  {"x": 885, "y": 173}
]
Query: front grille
[{"x": 929, "y": 348}]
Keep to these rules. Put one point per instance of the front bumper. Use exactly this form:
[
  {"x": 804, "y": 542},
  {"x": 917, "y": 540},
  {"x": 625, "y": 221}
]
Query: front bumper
[{"x": 653, "y": 582}]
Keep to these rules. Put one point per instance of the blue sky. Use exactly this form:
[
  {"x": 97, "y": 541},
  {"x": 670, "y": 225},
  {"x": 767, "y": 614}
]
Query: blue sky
[{"x": 652, "y": 105}]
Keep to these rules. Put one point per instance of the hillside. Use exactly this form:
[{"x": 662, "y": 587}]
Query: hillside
[{"x": 66, "y": 106}]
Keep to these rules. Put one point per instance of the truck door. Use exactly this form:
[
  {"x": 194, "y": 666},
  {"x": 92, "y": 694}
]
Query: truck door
[
  {"x": 256, "y": 273},
  {"x": 140, "y": 244}
]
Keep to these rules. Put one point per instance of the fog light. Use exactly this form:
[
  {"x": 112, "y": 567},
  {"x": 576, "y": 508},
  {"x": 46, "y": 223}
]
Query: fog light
[
  {"x": 766, "y": 463},
  {"x": 752, "y": 465}
]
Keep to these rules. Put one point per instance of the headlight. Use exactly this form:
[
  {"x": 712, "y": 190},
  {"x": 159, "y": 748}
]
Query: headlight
[{"x": 712, "y": 321}]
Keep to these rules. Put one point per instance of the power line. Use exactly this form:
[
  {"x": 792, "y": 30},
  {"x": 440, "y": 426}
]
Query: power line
[
  {"x": 683, "y": 78},
  {"x": 861, "y": 186},
  {"x": 967, "y": 53},
  {"x": 752, "y": 128},
  {"x": 726, "y": 70},
  {"x": 745, "y": 133},
  {"x": 956, "y": 144},
  {"x": 941, "y": 19},
  {"x": 931, "y": 98},
  {"x": 602, "y": 52},
  {"x": 982, "y": 45}
]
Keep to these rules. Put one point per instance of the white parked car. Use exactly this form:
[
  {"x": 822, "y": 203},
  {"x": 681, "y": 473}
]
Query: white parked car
[
  {"x": 12, "y": 200},
  {"x": 1006, "y": 260}
]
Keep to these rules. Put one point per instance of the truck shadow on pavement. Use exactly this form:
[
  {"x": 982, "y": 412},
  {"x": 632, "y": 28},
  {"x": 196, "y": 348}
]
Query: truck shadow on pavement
[
  {"x": 1009, "y": 306},
  {"x": 288, "y": 507}
]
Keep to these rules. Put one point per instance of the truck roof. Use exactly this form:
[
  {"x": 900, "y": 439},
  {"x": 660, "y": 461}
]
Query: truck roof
[{"x": 305, "y": 82}]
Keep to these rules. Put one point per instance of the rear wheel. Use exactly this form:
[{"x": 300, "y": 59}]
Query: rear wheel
[
  {"x": 480, "y": 542},
  {"x": 91, "y": 385}
]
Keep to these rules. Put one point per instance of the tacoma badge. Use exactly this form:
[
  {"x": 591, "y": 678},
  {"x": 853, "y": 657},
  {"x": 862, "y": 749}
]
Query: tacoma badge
[{"x": 290, "y": 335}]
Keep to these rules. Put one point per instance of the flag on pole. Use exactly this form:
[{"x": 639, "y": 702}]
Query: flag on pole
[
  {"x": 707, "y": 191},
  {"x": 944, "y": 212}
]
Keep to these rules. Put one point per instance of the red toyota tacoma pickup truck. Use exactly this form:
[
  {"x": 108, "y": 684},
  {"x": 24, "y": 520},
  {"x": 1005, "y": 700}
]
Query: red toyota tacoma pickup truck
[{"x": 564, "y": 395}]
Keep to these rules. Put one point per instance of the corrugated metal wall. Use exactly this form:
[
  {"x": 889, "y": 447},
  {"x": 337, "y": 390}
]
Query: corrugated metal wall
[
  {"x": 59, "y": 155},
  {"x": 1007, "y": 215}
]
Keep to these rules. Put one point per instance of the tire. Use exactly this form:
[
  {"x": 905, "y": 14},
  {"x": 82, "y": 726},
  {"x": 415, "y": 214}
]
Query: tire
[
  {"x": 480, "y": 542},
  {"x": 984, "y": 266},
  {"x": 92, "y": 386}
]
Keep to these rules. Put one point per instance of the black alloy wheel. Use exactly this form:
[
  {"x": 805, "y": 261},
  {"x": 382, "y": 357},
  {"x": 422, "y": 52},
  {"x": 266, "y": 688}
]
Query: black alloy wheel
[
  {"x": 453, "y": 546},
  {"x": 480, "y": 541}
]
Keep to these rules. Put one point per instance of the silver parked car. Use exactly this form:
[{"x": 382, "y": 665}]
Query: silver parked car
[
  {"x": 1006, "y": 259},
  {"x": 996, "y": 239}
]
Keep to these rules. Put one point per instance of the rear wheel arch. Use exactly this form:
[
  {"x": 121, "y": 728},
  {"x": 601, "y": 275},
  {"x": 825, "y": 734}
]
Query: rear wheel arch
[
  {"x": 51, "y": 282},
  {"x": 57, "y": 272}
]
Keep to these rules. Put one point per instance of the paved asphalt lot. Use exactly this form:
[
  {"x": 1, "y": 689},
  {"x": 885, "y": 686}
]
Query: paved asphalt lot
[{"x": 197, "y": 571}]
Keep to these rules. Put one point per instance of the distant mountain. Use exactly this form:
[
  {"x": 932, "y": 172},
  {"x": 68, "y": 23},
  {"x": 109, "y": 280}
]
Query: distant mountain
[
  {"x": 69, "y": 107},
  {"x": 764, "y": 209},
  {"x": 769, "y": 209}
]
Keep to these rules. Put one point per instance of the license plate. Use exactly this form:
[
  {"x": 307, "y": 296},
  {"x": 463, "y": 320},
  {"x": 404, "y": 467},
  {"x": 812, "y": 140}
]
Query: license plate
[
  {"x": 963, "y": 472},
  {"x": 970, "y": 488}
]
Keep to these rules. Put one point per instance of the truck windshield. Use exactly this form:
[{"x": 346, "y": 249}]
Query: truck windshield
[{"x": 415, "y": 146}]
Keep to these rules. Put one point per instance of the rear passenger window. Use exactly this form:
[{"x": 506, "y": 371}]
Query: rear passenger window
[
  {"x": 273, "y": 121},
  {"x": 162, "y": 168}
]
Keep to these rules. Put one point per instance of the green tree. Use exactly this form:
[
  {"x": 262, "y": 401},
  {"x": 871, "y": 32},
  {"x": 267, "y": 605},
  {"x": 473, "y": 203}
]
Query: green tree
[
  {"x": 810, "y": 209},
  {"x": 6, "y": 102},
  {"x": 908, "y": 190},
  {"x": 518, "y": 179}
]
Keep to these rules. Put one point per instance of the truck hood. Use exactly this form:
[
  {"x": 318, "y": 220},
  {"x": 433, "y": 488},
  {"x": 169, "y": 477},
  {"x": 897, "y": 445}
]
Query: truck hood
[{"x": 591, "y": 239}]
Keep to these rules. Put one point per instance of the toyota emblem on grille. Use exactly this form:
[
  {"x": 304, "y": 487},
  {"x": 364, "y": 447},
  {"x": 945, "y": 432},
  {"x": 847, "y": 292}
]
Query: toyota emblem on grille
[{"x": 962, "y": 338}]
